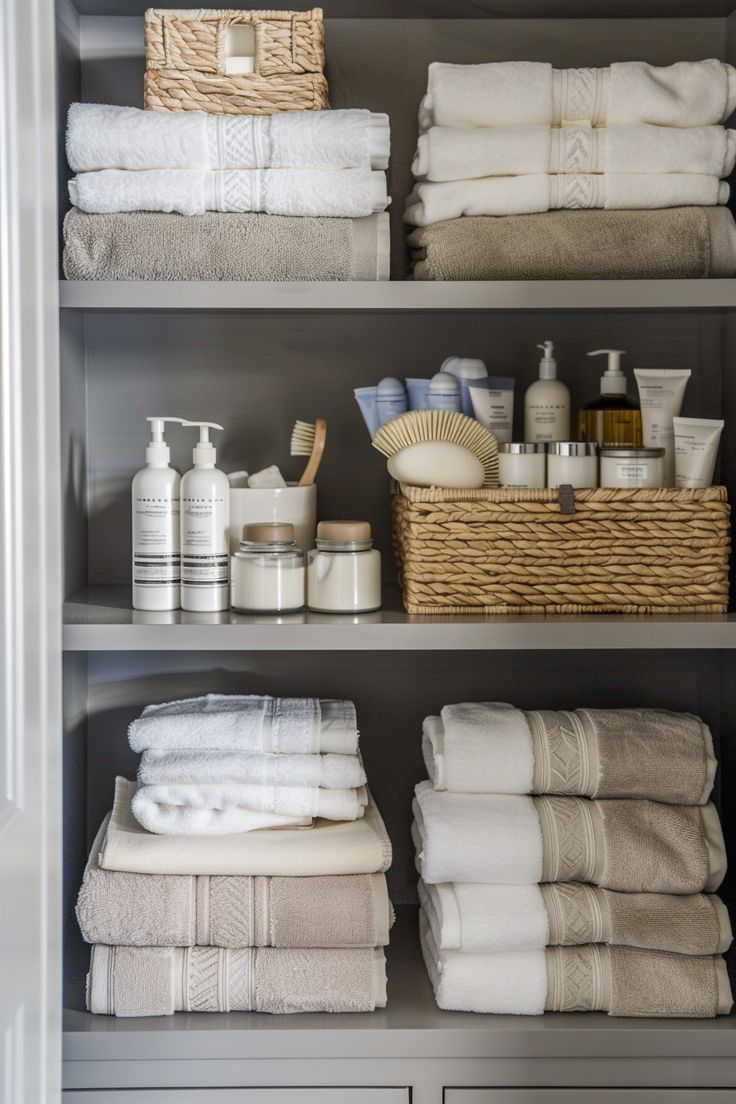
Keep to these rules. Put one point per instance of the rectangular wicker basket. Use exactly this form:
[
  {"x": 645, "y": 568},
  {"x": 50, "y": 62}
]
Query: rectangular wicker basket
[
  {"x": 185, "y": 62},
  {"x": 620, "y": 551}
]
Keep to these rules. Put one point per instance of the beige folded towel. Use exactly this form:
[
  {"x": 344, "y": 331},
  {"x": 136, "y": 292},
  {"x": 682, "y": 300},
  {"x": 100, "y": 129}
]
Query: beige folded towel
[
  {"x": 147, "y": 245},
  {"x": 167, "y": 910},
  {"x": 680, "y": 243},
  {"x": 156, "y": 981}
]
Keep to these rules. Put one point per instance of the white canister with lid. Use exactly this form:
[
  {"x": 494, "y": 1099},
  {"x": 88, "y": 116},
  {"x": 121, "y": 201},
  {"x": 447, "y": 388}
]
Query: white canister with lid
[
  {"x": 522, "y": 465},
  {"x": 344, "y": 570},
  {"x": 632, "y": 467},
  {"x": 267, "y": 573},
  {"x": 572, "y": 463}
]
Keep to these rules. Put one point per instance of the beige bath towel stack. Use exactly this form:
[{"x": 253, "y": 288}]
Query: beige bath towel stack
[
  {"x": 292, "y": 916},
  {"x": 569, "y": 861}
]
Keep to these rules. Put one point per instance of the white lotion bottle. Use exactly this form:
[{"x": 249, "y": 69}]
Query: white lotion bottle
[
  {"x": 154, "y": 496},
  {"x": 205, "y": 524},
  {"x": 547, "y": 403}
]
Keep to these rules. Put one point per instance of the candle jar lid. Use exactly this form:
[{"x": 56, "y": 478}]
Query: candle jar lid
[
  {"x": 623, "y": 453},
  {"x": 271, "y": 536},
  {"x": 572, "y": 448},
  {"x": 522, "y": 448},
  {"x": 344, "y": 536}
]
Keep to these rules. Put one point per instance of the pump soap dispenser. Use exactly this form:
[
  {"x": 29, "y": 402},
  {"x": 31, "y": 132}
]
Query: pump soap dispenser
[
  {"x": 205, "y": 522},
  {"x": 155, "y": 530},
  {"x": 613, "y": 418},
  {"x": 547, "y": 403}
]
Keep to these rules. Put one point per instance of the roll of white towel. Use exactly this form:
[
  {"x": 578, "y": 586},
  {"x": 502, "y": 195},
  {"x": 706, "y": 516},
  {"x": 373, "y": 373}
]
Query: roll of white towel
[
  {"x": 479, "y": 747},
  {"x": 485, "y": 918}
]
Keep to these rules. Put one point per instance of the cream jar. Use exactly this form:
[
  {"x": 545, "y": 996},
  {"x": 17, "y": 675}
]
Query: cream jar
[
  {"x": 522, "y": 465},
  {"x": 344, "y": 570},
  {"x": 574, "y": 463},
  {"x": 267, "y": 573},
  {"x": 632, "y": 467}
]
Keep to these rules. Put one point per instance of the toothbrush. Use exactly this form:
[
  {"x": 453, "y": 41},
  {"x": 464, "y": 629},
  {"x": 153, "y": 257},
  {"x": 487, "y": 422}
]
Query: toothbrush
[{"x": 308, "y": 439}]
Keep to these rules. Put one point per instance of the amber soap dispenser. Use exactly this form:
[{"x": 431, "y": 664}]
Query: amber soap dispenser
[{"x": 612, "y": 418}]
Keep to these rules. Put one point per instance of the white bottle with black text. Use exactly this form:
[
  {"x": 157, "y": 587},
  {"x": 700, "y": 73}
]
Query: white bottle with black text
[
  {"x": 547, "y": 403},
  {"x": 205, "y": 521},
  {"x": 155, "y": 517}
]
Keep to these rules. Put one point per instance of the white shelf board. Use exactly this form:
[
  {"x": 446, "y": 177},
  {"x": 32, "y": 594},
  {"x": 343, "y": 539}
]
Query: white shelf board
[
  {"x": 404, "y": 295},
  {"x": 464, "y": 9},
  {"x": 101, "y": 619}
]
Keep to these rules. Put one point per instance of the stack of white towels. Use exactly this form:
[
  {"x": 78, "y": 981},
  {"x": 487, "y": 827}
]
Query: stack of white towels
[{"x": 601, "y": 899}]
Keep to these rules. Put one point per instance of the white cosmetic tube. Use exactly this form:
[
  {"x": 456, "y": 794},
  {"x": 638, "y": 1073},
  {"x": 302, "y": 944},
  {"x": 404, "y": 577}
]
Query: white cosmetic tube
[
  {"x": 661, "y": 391},
  {"x": 696, "y": 448},
  {"x": 493, "y": 405}
]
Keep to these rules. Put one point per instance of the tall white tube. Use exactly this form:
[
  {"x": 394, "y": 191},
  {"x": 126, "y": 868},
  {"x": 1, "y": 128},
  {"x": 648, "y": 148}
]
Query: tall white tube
[
  {"x": 696, "y": 448},
  {"x": 661, "y": 391}
]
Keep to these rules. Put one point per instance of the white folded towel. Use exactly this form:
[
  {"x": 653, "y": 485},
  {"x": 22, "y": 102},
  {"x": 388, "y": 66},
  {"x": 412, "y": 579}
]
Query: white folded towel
[
  {"x": 529, "y": 93},
  {"x": 485, "y": 919},
  {"x": 446, "y": 153},
  {"x": 250, "y": 723},
  {"x": 525, "y": 195},
  {"x": 332, "y": 193},
  {"x": 331, "y": 772},
  {"x": 103, "y": 136},
  {"x": 479, "y": 747},
  {"x": 229, "y": 807}
]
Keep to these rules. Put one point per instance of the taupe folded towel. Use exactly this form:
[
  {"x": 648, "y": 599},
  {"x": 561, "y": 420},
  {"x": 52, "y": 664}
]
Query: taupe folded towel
[
  {"x": 170, "y": 910},
  {"x": 676, "y": 244},
  {"x": 156, "y": 981},
  {"x": 145, "y": 245}
]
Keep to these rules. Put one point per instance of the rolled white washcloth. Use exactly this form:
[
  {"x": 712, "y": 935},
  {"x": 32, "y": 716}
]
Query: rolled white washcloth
[
  {"x": 103, "y": 136},
  {"x": 447, "y": 153},
  {"x": 485, "y": 919},
  {"x": 489, "y": 744},
  {"x": 332, "y": 772},
  {"x": 331, "y": 193},
  {"x": 526, "y": 195}
]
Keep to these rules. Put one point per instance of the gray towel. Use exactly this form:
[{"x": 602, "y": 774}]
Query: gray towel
[{"x": 145, "y": 245}]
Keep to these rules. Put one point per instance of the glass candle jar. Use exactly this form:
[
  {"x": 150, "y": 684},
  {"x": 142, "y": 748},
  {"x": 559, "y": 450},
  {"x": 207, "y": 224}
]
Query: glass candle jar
[
  {"x": 344, "y": 570},
  {"x": 572, "y": 462},
  {"x": 522, "y": 466},
  {"x": 267, "y": 572},
  {"x": 632, "y": 467}
]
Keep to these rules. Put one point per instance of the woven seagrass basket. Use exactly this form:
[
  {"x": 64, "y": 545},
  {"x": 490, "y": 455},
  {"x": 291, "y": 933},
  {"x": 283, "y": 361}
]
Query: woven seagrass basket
[
  {"x": 185, "y": 62},
  {"x": 620, "y": 551}
]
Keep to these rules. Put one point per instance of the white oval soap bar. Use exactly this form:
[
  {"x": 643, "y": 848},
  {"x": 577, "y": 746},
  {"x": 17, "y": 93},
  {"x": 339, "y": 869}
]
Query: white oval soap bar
[{"x": 436, "y": 464}]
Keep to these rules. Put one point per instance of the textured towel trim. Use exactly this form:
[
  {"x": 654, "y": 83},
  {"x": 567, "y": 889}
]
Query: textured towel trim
[{"x": 580, "y": 95}]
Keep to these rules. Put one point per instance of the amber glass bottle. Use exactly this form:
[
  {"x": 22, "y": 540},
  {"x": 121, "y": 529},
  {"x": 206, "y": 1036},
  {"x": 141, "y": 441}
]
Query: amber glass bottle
[{"x": 612, "y": 418}]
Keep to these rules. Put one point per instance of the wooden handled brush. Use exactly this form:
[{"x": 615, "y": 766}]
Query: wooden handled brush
[{"x": 308, "y": 439}]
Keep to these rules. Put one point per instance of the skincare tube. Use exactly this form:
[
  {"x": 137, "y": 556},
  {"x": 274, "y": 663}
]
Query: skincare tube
[
  {"x": 661, "y": 391},
  {"x": 418, "y": 391},
  {"x": 390, "y": 400},
  {"x": 493, "y": 405},
  {"x": 467, "y": 371},
  {"x": 366, "y": 400},
  {"x": 696, "y": 447}
]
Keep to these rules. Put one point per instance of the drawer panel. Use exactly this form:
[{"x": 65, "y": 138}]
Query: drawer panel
[
  {"x": 590, "y": 1096},
  {"x": 238, "y": 1096}
]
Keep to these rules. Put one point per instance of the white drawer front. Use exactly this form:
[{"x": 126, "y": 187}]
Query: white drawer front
[
  {"x": 590, "y": 1096},
  {"x": 238, "y": 1096}
]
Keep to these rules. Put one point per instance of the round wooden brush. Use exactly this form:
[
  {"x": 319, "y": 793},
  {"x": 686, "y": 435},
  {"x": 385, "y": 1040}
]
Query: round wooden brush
[{"x": 308, "y": 439}]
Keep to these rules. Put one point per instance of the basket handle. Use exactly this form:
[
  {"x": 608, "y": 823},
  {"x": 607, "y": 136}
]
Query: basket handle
[{"x": 566, "y": 498}]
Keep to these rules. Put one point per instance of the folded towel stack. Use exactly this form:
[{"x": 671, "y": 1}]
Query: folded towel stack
[
  {"x": 267, "y": 173},
  {"x": 569, "y": 862},
  {"x": 502, "y": 143},
  {"x": 245, "y": 871}
]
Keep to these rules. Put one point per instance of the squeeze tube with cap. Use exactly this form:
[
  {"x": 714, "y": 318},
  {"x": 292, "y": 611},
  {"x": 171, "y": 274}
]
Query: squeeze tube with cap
[
  {"x": 444, "y": 392},
  {"x": 390, "y": 400},
  {"x": 493, "y": 405},
  {"x": 205, "y": 522},
  {"x": 155, "y": 510},
  {"x": 547, "y": 403},
  {"x": 418, "y": 392},
  {"x": 661, "y": 391},
  {"x": 696, "y": 448},
  {"x": 466, "y": 370},
  {"x": 612, "y": 419},
  {"x": 366, "y": 400}
]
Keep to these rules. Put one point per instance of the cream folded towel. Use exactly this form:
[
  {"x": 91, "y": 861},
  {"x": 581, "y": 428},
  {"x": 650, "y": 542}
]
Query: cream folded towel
[
  {"x": 328, "y": 847},
  {"x": 165, "y": 910},
  {"x": 622, "y": 981},
  {"x": 447, "y": 153},
  {"x": 331, "y": 772},
  {"x": 252, "y": 724},
  {"x": 102, "y": 136},
  {"x": 526, "y": 195},
  {"x": 490, "y": 747},
  {"x": 156, "y": 981},
  {"x": 214, "y": 809},
  {"x": 336, "y": 193},
  {"x": 632, "y": 846},
  {"x": 528, "y": 93}
]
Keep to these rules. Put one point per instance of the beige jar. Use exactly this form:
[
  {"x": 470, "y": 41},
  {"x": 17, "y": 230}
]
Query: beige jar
[{"x": 344, "y": 570}]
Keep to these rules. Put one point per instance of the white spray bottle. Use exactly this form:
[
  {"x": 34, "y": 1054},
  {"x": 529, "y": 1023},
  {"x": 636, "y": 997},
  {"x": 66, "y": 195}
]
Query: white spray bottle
[
  {"x": 155, "y": 517},
  {"x": 205, "y": 521}
]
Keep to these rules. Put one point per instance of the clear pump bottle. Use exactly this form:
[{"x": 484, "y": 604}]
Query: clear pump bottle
[
  {"x": 612, "y": 419},
  {"x": 155, "y": 526},
  {"x": 205, "y": 523}
]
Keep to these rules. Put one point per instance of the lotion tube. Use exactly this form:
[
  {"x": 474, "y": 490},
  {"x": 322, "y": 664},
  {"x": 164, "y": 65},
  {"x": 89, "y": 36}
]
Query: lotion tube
[
  {"x": 696, "y": 448},
  {"x": 493, "y": 405},
  {"x": 418, "y": 392},
  {"x": 366, "y": 400},
  {"x": 661, "y": 391}
]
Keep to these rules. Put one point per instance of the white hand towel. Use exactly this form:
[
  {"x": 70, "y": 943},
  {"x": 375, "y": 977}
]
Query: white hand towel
[
  {"x": 103, "y": 136},
  {"x": 446, "y": 153},
  {"x": 332, "y": 772},
  {"x": 526, "y": 93},
  {"x": 251, "y": 724},
  {"x": 479, "y": 747},
  {"x": 525, "y": 195},
  {"x": 485, "y": 919},
  {"x": 332, "y": 193},
  {"x": 208, "y": 809},
  {"x": 478, "y": 837}
]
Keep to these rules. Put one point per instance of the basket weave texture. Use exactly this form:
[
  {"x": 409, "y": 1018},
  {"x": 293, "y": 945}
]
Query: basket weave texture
[
  {"x": 621, "y": 551},
  {"x": 185, "y": 62}
]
